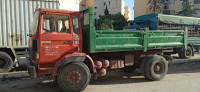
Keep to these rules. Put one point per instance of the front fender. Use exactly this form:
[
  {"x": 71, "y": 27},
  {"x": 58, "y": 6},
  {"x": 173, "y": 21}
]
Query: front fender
[{"x": 74, "y": 57}]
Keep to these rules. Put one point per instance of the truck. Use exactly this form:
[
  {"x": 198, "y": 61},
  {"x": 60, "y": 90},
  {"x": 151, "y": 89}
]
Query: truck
[
  {"x": 171, "y": 22},
  {"x": 65, "y": 45},
  {"x": 16, "y": 17}
]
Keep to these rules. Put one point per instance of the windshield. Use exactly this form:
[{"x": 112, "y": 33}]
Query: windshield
[
  {"x": 34, "y": 23},
  {"x": 55, "y": 23}
]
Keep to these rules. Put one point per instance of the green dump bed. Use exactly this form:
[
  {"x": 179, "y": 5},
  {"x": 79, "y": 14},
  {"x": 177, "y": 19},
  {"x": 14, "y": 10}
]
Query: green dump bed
[{"x": 119, "y": 40}]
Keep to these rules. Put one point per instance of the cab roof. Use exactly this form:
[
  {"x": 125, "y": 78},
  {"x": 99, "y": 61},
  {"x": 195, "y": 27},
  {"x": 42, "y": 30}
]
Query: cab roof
[{"x": 56, "y": 10}]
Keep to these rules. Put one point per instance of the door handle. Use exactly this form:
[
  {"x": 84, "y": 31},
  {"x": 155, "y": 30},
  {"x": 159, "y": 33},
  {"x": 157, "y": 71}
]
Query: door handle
[{"x": 68, "y": 42}]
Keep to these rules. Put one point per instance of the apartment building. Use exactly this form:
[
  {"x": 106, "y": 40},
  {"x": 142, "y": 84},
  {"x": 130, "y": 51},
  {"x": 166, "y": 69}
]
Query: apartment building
[
  {"x": 171, "y": 7},
  {"x": 140, "y": 7},
  {"x": 99, "y": 6},
  {"x": 197, "y": 6},
  {"x": 83, "y": 4},
  {"x": 127, "y": 14}
]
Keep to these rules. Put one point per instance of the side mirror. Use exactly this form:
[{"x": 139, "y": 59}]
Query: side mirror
[{"x": 30, "y": 35}]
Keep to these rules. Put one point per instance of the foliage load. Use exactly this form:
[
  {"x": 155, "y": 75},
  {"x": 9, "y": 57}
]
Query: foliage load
[{"x": 111, "y": 22}]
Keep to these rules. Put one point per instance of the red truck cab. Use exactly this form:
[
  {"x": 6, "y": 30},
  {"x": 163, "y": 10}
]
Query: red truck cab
[
  {"x": 58, "y": 32},
  {"x": 56, "y": 40}
]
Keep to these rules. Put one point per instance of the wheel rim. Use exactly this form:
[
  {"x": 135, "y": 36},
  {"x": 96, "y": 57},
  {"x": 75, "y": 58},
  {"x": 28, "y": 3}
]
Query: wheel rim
[
  {"x": 73, "y": 78},
  {"x": 188, "y": 52},
  {"x": 158, "y": 68},
  {"x": 3, "y": 63}
]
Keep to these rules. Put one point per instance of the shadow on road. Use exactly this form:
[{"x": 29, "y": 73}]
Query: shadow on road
[{"x": 178, "y": 66}]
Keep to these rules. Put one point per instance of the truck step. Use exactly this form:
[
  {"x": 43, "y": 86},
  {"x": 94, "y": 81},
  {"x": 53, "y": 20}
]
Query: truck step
[
  {"x": 19, "y": 56},
  {"x": 22, "y": 52}
]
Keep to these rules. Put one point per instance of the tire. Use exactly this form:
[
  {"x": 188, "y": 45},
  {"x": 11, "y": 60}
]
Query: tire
[
  {"x": 156, "y": 68},
  {"x": 6, "y": 62},
  {"x": 142, "y": 64},
  {"x": 185, "y": 54},
  {"x": 73, "y": 77}
]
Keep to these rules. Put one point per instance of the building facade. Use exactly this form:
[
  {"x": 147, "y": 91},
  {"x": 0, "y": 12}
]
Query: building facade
[
  {"x": 197, "y": 6},
  {"x": 99, "y": 6},
  {"x": 127, "y": 14},
  {"x": 171, "y": 7},
  {"x": 140, "y": 7}
]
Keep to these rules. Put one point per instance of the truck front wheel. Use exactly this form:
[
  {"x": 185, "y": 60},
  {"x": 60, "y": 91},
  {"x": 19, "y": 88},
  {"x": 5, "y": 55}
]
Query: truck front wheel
[
  {"x": 156, "y": 68},
  {"x": 6, "y": 62},
  {"x": 74, "y": 77}
]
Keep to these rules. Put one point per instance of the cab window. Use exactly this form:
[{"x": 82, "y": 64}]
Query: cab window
[
  {"x": 55, "y": 23},
  {"x": 75, "y": 24}
]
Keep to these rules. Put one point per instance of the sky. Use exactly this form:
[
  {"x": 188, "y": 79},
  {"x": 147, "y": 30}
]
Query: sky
[{"x": 130, "y": 4}]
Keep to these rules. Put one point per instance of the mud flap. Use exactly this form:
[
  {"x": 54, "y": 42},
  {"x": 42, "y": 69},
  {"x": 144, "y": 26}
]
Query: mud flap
[{"x": 32, "y": 72}]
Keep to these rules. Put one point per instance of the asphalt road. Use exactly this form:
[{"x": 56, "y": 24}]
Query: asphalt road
[{"x": 183, "y": 76}]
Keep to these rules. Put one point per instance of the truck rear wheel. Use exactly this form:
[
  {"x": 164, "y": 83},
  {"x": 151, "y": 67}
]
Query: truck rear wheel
[
  {"x": 156, "y": 68},
  {"x": 187, "y": 53},
  {"x": 74, "y": 77},
  {"x": 6, "y": 62},
  {"x": 142, "y": 64}
]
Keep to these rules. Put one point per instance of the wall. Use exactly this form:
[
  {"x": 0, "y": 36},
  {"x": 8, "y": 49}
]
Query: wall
[
  {"x": 16, "y": 17},
  {"x": 140, "y": 7},
  {"x": 197, "y": 6},
  {"x": 127, "y": 14},
  {"x": 113, "y": 6}
]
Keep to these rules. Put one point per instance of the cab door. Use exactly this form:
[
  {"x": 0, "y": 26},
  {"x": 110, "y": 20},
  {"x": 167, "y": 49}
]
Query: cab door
[
  {"x": 56, "y": 39},
  {"x": 77, "y": 31}
]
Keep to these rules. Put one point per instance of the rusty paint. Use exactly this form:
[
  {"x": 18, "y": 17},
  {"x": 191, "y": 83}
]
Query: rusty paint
[
  {"x": 114, "y": 64},
  {"x": 18, "y": 38},
  {"x": 12, "y": 36}
]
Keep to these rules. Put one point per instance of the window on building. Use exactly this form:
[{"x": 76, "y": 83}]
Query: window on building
[
  {"x": 109, "y": 10},
  {"x": 116, "y": 10},
  {"x": 116, "y": 2},
  {"x": 166, "y": 6},
  {"x": 109, "y": 2},
  {"x": 104, "y": 2},
  {"x": 196, "y": 1}
]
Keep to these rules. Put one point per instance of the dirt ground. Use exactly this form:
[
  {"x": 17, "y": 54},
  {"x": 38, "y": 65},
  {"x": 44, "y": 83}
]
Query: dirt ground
[{"x": 183, "y": 76}]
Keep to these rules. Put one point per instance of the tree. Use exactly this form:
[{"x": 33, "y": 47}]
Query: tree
[
  {"x": 111, "y": 22},
  {"x": 155, "y": 6},
  {"x": 105, "y": 22},
  {"x": 187, "y": 9},
  {"x": 106, "y": 12},
  {"x": 119, "y": 21}
]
